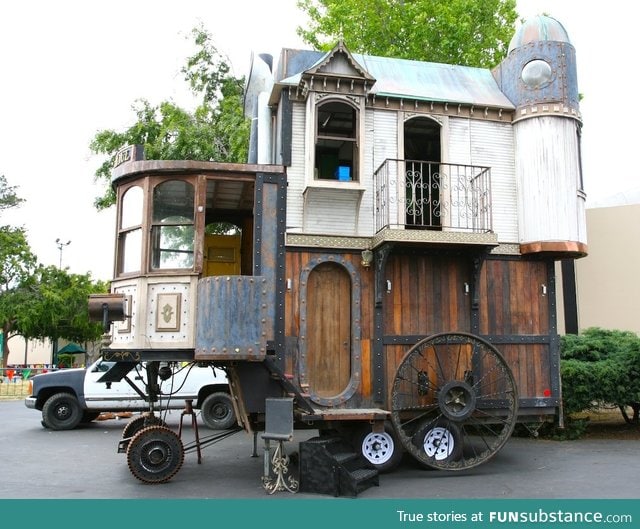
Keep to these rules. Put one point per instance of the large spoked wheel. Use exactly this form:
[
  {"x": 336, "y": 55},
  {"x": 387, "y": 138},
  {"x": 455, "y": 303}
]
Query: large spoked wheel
[
  {"x": 454, "y": 401},
  {"x": 155, "y": 454}
]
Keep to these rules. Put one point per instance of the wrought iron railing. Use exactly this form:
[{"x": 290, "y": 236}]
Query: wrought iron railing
[{"x": 433, "y": 195}]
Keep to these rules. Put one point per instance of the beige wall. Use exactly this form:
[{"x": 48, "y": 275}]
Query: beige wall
[{"x": 608, "y": 279}]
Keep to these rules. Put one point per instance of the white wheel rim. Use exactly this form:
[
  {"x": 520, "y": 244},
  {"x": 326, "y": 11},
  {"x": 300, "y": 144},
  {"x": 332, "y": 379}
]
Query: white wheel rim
[
  {"x": 377, "y": 448},
  {"x": 438, "y": 443}
]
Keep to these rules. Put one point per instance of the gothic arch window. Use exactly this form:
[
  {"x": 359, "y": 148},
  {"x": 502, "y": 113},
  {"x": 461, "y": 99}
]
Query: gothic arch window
[{"x": 336, "y": 144}]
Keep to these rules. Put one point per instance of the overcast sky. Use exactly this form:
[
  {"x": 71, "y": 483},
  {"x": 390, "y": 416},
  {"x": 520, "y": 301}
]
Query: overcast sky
[{"x": 71, "y": 68}]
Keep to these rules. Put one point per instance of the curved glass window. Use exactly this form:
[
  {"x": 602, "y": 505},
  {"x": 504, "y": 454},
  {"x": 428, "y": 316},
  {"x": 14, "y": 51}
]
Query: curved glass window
[
  {"x": 537, "y": 74},
  {"x": 172, "y": 229},
  {"x": 130, "y": 231}
]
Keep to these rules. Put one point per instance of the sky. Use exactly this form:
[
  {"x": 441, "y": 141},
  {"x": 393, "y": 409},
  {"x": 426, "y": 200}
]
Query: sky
[{"x": 72, "y": 68}]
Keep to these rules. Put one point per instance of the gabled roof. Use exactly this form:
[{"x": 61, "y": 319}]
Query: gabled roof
[
  {"x": 339, "y": 61},
  {"x": 402, "y": 78}
]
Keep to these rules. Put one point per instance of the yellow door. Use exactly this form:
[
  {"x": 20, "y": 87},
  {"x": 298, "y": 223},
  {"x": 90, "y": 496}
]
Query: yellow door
[{"x": 222, "y": 255}]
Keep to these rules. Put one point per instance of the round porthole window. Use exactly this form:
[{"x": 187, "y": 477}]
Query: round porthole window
[{"x": 537, "y": 74}]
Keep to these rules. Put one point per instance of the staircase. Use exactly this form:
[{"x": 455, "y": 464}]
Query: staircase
[{"x": 328, "y": 465}]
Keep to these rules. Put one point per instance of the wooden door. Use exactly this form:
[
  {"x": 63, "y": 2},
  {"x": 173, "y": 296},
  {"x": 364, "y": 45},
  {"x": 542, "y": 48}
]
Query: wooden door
[
  {"x": 222, "y": 255},
  {"x": 328, "y": 330}
]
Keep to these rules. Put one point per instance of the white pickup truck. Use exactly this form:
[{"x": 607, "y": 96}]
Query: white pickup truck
[{"x": 70, "y": 397}]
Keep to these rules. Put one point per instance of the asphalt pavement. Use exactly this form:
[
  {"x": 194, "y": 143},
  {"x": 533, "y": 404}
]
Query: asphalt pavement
[{"x": 84, "y": 463}]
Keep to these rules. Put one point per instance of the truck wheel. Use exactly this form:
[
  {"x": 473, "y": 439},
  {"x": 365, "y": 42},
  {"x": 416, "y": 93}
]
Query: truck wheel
[
  {"x": 61, "y": 412},
  {"x": 382, "y": 450},
  {"x": 217, "y": 411}
]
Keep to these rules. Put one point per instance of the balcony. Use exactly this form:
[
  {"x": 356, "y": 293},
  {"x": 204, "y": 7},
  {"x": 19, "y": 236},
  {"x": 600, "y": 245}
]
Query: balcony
[{"x": 433, "y": 202}]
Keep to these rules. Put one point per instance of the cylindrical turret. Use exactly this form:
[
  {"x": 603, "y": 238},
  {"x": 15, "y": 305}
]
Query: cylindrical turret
[{"x": 539, "y": 76}]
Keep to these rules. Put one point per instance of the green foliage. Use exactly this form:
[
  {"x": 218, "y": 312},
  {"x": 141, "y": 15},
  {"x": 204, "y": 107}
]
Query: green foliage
[
  {"x": 8, "y": 197},
  {"x": 600, "y": 368},
  {"x": 53, "y": 304},
  {"x": 215, "y": 131},
  {"x": 465, "y": 32}
]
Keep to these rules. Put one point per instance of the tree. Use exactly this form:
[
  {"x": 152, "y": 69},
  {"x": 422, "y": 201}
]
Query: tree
[
  {"x": 17, "y": 263},
  {"x": 52, "y": 304},
  {"x": 465, "y": 32},
  {"x": 215, "y": 131},
  {"x": 8, "y": 197}
]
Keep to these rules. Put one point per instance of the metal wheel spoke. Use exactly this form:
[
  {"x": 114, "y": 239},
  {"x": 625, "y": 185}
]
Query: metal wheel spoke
[{"x": 454, "y": 401}]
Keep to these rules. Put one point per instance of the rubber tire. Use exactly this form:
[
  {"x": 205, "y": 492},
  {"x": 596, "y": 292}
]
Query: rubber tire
[
  {"x": 363, "y": 440},
  {"x": 452, "y": 434},
  {"x": 217, "y": 411},
  {"x": 61, "y": 412}
]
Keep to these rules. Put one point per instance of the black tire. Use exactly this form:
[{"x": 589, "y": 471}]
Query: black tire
[
  {"x": 138, "y": 423},
  {"x": 217, "y": 411},
  {"x": 440, "y": 441},
  {"x": 61, "y": 412},
  {"x": 382, "y": 451},
  {"x": 89, "y": 416},
  {"x": 155, "y": 454}
]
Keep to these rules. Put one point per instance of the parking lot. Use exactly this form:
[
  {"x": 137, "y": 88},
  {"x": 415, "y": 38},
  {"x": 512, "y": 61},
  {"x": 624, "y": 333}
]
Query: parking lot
[{"x": 84, "y": 463}]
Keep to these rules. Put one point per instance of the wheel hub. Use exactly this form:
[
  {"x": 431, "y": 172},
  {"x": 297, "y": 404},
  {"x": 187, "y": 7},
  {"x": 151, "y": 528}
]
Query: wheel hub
[
  {"x": 457, "y": 400},
  {"x": 438, "y": 443},
  {"x": 377, "y": 447}
]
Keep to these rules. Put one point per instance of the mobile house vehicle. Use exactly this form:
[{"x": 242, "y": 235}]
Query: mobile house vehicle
[{"x": 386, "y": 258}]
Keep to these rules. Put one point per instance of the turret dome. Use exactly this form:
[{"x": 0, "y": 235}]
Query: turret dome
[{"x": 536, "y": 29}]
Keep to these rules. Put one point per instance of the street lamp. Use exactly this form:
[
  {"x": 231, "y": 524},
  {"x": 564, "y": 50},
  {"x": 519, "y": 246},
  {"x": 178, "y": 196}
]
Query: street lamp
[{"x": 61, "y": 245}]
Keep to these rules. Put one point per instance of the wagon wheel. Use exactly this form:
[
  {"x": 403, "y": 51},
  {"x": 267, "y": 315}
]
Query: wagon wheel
[
  {"x": 155, "y": 454},
  {"x": 454, "y": 401}
]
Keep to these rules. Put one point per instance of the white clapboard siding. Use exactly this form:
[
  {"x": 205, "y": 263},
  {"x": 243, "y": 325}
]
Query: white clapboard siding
[
  {"x": 489, "y": 144},
  {"x": 383, "y": 128},
  {"x": 547, "y": 169},
  {"x": 492, "y": 145},
  {"x": 296, "y": 173}
]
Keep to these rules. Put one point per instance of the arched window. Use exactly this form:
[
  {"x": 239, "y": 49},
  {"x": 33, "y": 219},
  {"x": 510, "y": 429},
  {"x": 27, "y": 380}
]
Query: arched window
[
  {"x": 172, "y": 229},
  {"x": 336, "y": 142},
  {"x": 130, "y": 231}
]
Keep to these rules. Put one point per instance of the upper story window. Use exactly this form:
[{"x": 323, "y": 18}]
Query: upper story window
[
  {"x": 336, "y": 150},
  {"x": 172, "y": 226},
  {"x": 130, "y": 231}
]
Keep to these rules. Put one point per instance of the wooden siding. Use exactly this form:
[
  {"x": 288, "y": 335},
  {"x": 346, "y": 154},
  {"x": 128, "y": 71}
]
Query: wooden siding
[
  {"x": 427, "y": 295},
  {"x": 531, "y": 368},
  {"x": 514, "y": 306},
  {"x": 297, "y": 262},
  {"x": 513, "y": 299}
]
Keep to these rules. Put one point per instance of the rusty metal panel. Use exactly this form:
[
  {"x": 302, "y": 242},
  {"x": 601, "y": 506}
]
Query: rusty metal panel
[{"x": 232, "y": 318}]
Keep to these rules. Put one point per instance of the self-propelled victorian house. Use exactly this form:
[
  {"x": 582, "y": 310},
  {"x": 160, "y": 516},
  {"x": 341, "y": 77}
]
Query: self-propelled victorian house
[{"x": 387, "y": 263}]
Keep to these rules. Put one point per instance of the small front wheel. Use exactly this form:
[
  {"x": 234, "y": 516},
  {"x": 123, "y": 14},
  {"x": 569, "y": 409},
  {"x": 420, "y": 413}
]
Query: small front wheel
[
  {"x": 155, "y": 454},
  {"x": 61, "y": 412}
]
